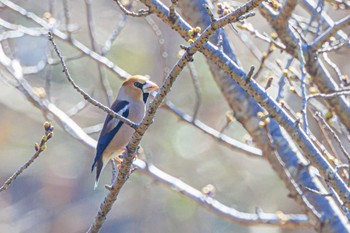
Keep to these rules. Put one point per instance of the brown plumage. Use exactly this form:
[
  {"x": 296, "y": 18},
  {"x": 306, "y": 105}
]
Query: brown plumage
[{"x": 130, "y": 103}]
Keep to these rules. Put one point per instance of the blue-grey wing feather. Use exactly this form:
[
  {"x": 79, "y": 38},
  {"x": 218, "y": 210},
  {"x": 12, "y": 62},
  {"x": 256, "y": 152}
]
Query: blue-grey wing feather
[{"x": 109, "y": 132}]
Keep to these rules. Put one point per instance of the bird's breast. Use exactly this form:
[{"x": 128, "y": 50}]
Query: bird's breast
[{"x": 136, "y": 112}]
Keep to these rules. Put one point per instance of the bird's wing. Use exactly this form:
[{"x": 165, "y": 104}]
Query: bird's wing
[{"x": 111, "y": 128}]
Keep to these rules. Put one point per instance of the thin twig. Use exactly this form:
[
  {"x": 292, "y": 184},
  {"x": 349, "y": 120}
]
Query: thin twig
[
  {"x": 161, "y": 42},
  {"x": 338, "y": 200},
  {"x": 316, "y": 14},
  {"x": 341, "y": 166},
  {"x": 38, "y": 148},
  {"x": 52, "y": 7},
  {"x": 220, "y": 40},
  {"x": 335, "y": 68},
  {"x": 172, "y": 12},
  {"x": 197, "y": 90},
  {"x": 335, "y": 136},
  {"x": 227, "y": 141},
  {"x": 114, "y": 35},
  {"x": 53, "y": 62},
  {"x": 281, "y": 82},
  {"x": 250, "y": 74},
  {"x": 77, "y": 108},
  {"x": 269, "y": 83},
  {"x": 249, "y": 28},
  {"x": 314, "y": 65},
  {"x": 67, "y": 18},
  {"x": 329, "y": 95},
  {"x": 317, "y": 192},
  {"x": 140, "y": 13},
  {"x": 325, "y": 136},
  {"x": 264, "y": 57},
  {"x": 93, "y": 129},
  {"x": 86, "y": 95},
  {"x": 333, "y": 47},
  {"x": 322, "y": 39},
  {"x": 107, "y": 90},
  {"x": 303, "y": 85}
]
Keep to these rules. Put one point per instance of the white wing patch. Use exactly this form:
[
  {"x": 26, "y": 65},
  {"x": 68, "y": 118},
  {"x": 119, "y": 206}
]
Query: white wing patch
[{"x": 114, "y": 121}]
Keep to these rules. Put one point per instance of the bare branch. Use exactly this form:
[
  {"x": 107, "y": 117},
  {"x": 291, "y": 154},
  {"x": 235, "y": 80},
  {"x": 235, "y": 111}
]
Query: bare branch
[
  {"x": 108, "y": 44},
  {"x": 172, "y": 13},
  {"x": 86, "y": 95},
  {"x": 282, "y": 79},
  {"x": 287, "y": 10},
  {"x": 77, "y": 108},
  {"x": 140, "y": 13},
  {"x": 263, "y": 60},
  {"x": 227, "y": 141},
  {"x": 318, "y": 42},
  {"x": 317, "y": 192},
  {"x": 335, "y": 68},
  {"x": 249, "y": 28},
  {"x": 38, "y": 148},
  {"x": 243, "y": 95},
  {"x": 311, "y": 6},
  {"x": 335, "y": 136},
  {"x": 231, "y": 68},
  {"x": 78, "y": 45},
  {"x": 303, "y": 85},
  {"x": 67, "y": 18},
  {"x": 148, "y": 119},
  {"x": 161, "y": 42},
  {"x": 102, "y": 75},
  {"x": 281, "y": 220},
  {"x": 313, "y": 65},
  {"x": 194, "y": 78},
  {"x": 250, "y": 74},
  {"x": 329, "y": 95}
]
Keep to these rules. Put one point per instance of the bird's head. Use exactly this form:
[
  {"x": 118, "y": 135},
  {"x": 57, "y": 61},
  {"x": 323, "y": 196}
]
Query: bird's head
[{"x": 138, "y": 87}]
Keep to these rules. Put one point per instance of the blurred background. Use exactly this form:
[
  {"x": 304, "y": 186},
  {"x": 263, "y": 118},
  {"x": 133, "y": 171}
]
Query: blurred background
[{"x": 55, "y": 194}]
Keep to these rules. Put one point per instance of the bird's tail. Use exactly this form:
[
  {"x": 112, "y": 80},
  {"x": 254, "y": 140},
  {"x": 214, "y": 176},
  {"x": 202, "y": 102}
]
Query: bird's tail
[
  {"x": 96, "y": 184},
  {"x": 100, "y": 164}
]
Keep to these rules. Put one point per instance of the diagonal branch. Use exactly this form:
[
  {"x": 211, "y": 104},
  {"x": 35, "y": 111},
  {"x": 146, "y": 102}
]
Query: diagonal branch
[
  {"x": 225, "y": 140},
  {"x": 107, "y": 90},
  {"x": 148, "y": 119},
  {"x": 59, "y": 34},
  {"x": 311, "y": 7},
  {"x": 253, "y": 88},
  {"x": 86, "y": 95},
  {"x": 331, "y": 31},
  {"x": 140, "y": 13},
  {"x": 313, "y": 65},
  {"x": 228, "y": 87}
]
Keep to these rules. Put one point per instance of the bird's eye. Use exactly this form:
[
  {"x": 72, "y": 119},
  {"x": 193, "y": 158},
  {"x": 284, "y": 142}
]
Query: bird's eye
[{"x": 138, "y": 85}]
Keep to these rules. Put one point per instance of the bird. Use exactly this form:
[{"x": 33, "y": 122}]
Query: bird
[{"x": 115, "y": 135}]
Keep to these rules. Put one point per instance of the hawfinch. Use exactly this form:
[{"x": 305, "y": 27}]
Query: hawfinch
[{"x": 131, "y": 104}]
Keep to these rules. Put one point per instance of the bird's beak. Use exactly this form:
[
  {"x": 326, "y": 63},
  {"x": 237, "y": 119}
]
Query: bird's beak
[{"x": 149, "y": 86}]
